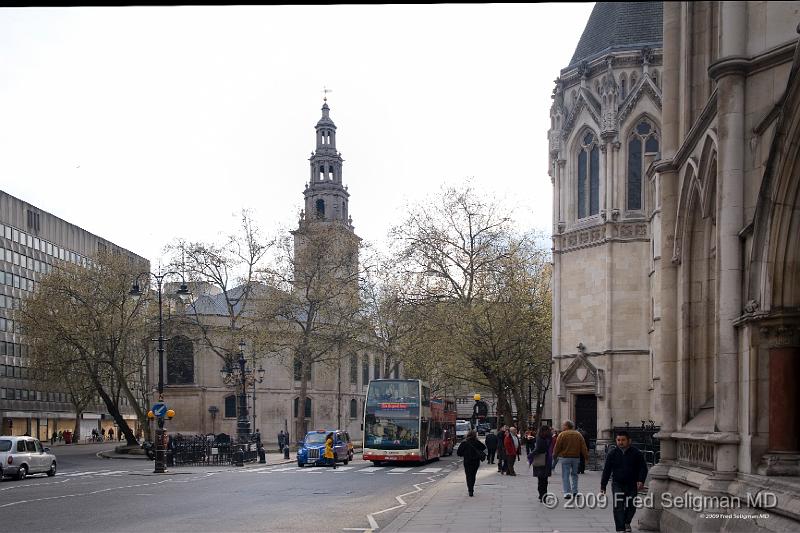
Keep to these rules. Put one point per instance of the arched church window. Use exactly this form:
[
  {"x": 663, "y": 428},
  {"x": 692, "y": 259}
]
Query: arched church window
[
  {"x": 320, "y": 208},
  {"x": 330, "y": 172},
  {"x": 321, "y": 172},
  {"x": 353, "y": 409},
  {"x": 230, "y": 406},
  {"x": 588, "y": 176},
  {"x": 622, "y": 86},
  {"x": 307, "y": 409},
  {"x": 377, "y": 368},
  {"x": 297, "y": 370},
  {"x": 643, "y": 140},
  {"x": 655, "y": 78},
  {"x": 180, "y": 361}
]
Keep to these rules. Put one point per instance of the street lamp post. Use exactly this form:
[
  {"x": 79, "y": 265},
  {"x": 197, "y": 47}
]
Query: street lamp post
[
  {"x": 184, "y": 294},
  {"x": 240, "y": 376}
]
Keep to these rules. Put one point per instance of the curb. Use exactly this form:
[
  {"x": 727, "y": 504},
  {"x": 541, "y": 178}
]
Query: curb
[
  {"x": 111, "y": 455},
  {"x": 411, "y": 511}
]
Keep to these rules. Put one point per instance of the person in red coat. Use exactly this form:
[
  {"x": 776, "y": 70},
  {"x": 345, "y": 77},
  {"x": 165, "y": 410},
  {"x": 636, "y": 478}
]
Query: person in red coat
[{"x": 512, "y": 450}]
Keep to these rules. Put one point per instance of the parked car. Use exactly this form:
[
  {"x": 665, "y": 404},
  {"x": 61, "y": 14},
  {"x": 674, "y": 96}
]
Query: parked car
[
  {"x": 483, "y": 428},
  {"x": 20, "y": 456},
  {"x": 312, "y": 450},
  {"x": 462, "y": 427}
]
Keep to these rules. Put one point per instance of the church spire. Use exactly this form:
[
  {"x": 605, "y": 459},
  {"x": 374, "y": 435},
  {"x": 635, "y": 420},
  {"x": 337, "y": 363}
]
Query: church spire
[{"x": 326, "y": 197}]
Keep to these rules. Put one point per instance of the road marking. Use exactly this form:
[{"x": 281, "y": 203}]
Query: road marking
[
  {"x": 431, "y": 470},
  {"x": 344, "y": 468},
  {"x": 265, "y": 469},
  {"x": 76, "y": 474},
  {"x": 398, "y": 470},
  {"x": 370, "y": 469},
  {"x": 287, "y": 469},
  {"x": 112, "y": 473}
]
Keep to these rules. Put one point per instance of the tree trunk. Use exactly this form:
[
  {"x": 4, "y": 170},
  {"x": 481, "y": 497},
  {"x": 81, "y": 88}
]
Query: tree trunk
[
  {"x": 300, "y": 428},
  {"x": 76, "y": 433},
  {"x": 522, "y": 408}
]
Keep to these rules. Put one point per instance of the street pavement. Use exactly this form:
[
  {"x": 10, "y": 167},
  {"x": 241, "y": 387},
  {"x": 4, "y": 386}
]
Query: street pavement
[{"x": 93, "y": 493}]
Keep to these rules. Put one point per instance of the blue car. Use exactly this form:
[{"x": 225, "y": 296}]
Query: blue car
[{"x": 313, "y": 450}]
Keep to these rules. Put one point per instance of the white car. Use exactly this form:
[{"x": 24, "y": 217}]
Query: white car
[
  {"x": 20, "y": 456},
  {"x": 462, "y": 428}
]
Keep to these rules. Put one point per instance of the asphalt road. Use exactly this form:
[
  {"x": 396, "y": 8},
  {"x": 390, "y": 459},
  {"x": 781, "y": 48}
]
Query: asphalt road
[{"x": 95, "y": 494}]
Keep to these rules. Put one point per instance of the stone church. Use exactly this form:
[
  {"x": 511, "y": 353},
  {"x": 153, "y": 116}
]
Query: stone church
[
  {"x": 335, "y": 397},
  {"x": 718, "y": 317}
]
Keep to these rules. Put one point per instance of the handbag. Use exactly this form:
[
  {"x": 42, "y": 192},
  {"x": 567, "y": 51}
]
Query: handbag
[{"x": 540, "y": 459}]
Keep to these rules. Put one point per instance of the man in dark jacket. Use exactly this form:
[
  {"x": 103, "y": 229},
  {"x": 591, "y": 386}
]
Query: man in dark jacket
[
  {"x": 470, "y": 449},
  {"x": 491, "y": 447},
  {"x": 626, "y": 467},
  {"x": 501, "y": 451}
]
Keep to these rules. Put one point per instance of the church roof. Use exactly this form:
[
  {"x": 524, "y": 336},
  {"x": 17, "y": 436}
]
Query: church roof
[{"x": 619, "y": 26}]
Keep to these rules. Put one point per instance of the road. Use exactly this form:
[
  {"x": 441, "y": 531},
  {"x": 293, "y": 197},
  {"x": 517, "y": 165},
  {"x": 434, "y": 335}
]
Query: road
[{"x": 92, "y": 493}]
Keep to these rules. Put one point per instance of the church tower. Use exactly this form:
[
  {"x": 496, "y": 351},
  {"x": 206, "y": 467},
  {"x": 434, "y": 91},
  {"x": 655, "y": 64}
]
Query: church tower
[
  {"x": 325, "y": 221},
  {"x": 326, "y": 197}
]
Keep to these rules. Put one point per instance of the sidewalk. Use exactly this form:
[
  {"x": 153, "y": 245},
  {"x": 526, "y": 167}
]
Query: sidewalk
[{"x": 501, "y": 504}]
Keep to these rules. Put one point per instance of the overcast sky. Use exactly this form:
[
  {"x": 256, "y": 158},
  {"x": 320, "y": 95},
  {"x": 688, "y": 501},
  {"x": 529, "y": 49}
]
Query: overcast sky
[{"x": 145, "y": 124}]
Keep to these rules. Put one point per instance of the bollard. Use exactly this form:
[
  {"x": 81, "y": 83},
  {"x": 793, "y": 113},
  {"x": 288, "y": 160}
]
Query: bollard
[
  {"x": 262, "y": 455},
  {"x": 286, "y": 452}
]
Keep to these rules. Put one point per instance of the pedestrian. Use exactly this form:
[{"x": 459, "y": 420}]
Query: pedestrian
[
  {"x": 569, "y": 448},
  {"x": 491, "y": 447},
  {"x": 280, "y": 441},
  {"x": 501, "y": 450},
  {"x": 542, "y": 469},
  {"x": 512, "y": 446},
  {"x": 53, "y": 438},
  {"x": 530, "y": 441},
  {"x": 473, "y": 452},
  {"x": 110, "y": 433},
  {"x": 60, "y": 436},
  {"x": 582, "y": 464},
  {"x": 102, "y": 434},
  {"x": 626, "y": 467},
  {"x": 329, "y": 450}
]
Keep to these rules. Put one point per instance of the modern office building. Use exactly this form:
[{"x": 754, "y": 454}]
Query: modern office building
[{"x": 31, "y": 242}]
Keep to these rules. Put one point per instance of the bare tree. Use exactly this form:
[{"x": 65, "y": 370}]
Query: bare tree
[
  {"x": 82, "y": 320},
  {"x": 313, "y": 315}
]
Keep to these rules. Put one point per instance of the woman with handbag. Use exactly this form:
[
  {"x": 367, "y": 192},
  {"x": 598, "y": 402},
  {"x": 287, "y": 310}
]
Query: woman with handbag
[
  {"x": 473, "y": 451},
  {"x": 542, "y": 459}
]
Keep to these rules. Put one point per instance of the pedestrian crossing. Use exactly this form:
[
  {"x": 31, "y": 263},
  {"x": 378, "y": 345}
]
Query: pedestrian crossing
[
  {"x": 369, "y": 470},
  {"x": 93, "y": 473}
]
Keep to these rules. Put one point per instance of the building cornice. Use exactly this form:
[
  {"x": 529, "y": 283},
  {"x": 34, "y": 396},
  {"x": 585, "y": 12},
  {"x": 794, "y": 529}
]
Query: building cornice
[{"x": 746, "y": 66}]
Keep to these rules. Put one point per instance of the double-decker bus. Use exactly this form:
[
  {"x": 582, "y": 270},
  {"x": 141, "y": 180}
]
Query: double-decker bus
[{"x": 403, "y": 423}]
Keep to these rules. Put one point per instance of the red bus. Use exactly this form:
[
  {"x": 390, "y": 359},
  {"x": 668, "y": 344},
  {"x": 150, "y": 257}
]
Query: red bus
[{"x": 402, "y": 423}]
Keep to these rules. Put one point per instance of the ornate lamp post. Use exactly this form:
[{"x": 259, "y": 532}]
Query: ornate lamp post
[
  {"x": 185, "y": 295},
  {"x": 239, "y": 375}
]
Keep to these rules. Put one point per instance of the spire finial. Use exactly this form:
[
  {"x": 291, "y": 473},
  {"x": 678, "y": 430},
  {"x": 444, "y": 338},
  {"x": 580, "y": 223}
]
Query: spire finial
[{"x": 325, "y": 92}]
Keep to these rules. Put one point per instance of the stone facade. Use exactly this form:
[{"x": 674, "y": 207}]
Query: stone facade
[
  {"x": 728, "y": 276},
  {"x": 717, "y": 319},
  {"x": 605, "y": 131}
]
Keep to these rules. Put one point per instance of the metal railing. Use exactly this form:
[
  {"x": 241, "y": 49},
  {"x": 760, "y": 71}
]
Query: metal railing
[{"x": 210, "y": 450}]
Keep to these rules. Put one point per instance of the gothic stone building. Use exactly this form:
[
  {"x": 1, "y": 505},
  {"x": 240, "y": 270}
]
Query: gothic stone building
[
  {"x": 194, "y": 386},
  {"x": 721, "y": 308},
  {"x": 605, "y": 132}
]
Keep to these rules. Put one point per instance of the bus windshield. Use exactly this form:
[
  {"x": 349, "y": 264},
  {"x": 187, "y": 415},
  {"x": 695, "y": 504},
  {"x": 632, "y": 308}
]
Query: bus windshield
[
  {"x": 391, "y": 433},
  {"x": 394, "y": 391}
]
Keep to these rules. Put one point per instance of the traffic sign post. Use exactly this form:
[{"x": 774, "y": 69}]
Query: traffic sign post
[{"x": 160, "y": 409}]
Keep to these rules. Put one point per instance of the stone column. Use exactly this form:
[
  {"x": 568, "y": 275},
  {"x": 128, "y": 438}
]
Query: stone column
[
  {"x": 730, "y": 75},
  {"x": 564, "y": 192},
  {"x": 666, "y": 352}
]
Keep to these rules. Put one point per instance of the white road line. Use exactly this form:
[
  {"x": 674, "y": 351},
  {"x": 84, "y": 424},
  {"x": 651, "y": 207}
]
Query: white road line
[
  {"x": 370, "y": 469},
  {"x": 84, "y": 473},
  {"x": 398, "y": 470},
  {"x": 430, "y": 470},
  {"x": 344, "y": 468},
  {"x": 114, "y": 472},
  {"x": 265, "y": 469}
]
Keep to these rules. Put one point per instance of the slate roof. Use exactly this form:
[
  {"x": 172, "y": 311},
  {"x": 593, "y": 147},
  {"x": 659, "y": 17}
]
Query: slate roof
[{"x": 620, "y": 25}]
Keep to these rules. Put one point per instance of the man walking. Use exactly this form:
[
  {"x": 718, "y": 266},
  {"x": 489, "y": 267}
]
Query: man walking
[
  {"x": 570, "y": 446},
  {"x": 582, "y": 464},
  {"x": 512, "y": 450},
  {"x": 626, "y": 467},
  {"x": 491, "y": 447},
  {"x": 281, "y": 441},
  {"x": 501, "y": 450}
]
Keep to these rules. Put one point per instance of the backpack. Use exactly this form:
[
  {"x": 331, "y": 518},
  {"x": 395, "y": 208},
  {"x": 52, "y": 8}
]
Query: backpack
[{"x": 481, "y": 453}]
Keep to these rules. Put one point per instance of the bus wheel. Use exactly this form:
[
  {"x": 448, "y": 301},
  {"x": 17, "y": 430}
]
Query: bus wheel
[{"x": 376, "y": 463}]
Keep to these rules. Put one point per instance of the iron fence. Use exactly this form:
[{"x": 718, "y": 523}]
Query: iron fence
[{"x": 210, "y": 450}]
